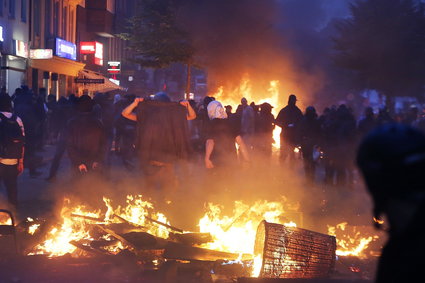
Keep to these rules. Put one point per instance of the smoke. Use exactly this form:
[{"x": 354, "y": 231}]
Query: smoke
[{"x": 267, "y": 40}]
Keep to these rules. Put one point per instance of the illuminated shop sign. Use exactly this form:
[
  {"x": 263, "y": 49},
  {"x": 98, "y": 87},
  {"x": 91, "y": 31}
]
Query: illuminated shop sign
[
  {"x": 87, "y": 47},
  {"x": 1, "y": 34},
  {"x": 114, "y": 67},
  {"x": 21, "y": 48},
  {"x": 66, "y": 49},
  {"x": 98, "y": 55},
  {"x": 93, "y": 47},
  {"x": 41, "y": 53}
]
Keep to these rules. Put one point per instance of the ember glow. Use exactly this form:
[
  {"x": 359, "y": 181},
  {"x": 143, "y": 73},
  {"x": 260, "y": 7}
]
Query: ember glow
[
  {"x": 5, "y": 219},
  {"x": 351, "y": 241}
]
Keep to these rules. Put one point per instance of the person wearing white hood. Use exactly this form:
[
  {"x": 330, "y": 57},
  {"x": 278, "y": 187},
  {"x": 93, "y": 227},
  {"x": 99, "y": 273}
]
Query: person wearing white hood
[{"x": 220, "y": 149}]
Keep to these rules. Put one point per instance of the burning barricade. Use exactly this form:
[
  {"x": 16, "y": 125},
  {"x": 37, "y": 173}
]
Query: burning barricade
[{"x": 254, "y": 242}]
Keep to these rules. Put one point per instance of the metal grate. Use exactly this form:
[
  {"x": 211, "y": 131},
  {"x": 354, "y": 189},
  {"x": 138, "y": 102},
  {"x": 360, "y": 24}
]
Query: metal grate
[{"x": 289, "y": 252}]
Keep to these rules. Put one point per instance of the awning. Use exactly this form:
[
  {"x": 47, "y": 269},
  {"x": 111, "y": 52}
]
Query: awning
[
  {"x": 92, "y": 76},
  {"x": 58, "y": 65}
]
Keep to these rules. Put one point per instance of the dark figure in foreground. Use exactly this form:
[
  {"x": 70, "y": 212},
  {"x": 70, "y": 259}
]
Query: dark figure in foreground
[
  {"x": 11, "y": 149},
  {"x": 85, "y": 138},
  {"x": 392, "y": 160}
]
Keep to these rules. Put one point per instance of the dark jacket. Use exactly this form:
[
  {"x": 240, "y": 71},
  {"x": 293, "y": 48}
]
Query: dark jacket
[
  {"x": 287, "y": 119},
  {"x": 85, "y": 139}
]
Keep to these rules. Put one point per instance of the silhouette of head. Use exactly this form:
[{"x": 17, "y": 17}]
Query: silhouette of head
[
  {"x": 392, "y": 161},
  {"x": 292, "y": 99}
]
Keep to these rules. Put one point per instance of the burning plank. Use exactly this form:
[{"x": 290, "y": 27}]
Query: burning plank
[{"x": 184, "y": 252}]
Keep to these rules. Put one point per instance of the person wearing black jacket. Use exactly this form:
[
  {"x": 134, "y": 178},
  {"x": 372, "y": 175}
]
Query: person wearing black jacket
[
  {"x": 309, "y": 136},
  {"x": 288, "y": 119},
  {"x": 85, "y": 138}
]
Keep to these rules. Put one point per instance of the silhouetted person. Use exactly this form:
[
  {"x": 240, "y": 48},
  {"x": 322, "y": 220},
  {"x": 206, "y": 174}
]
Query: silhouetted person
[
  {"x": 288, "y": 119},
  {"x": 392, "y": 160},
  {"x": 25, "y": 108},
  {"x": 11, "y": 149},
  {"x": 85, "y": 138},
  {"x": 64, "y": 111},
  {"x": 309, "y": 136},
  {"x": 384, "y": 116},
  {"x": 246, "y": 114},
  {"x": 264, "y": 127},
  {"x": 367, "y": 123}
]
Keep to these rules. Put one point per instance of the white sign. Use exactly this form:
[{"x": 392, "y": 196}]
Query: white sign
[
  {"x": 41, "y": 53},
  {"x": 21, "y": 49},
  {"x": 1, "y": 34}
]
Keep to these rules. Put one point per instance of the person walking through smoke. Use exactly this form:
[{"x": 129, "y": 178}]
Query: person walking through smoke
[
  {"x": 288, "y": 119},
  {"x": 162, "y": 138},
  {"x": 392, "y": 161},
  {"x": 12, "y": 137}
]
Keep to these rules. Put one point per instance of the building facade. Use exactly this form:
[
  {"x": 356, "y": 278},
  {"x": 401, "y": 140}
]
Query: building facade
[
  {"x": 65, "y": 46},
  {"x": 14, "y": 43}
]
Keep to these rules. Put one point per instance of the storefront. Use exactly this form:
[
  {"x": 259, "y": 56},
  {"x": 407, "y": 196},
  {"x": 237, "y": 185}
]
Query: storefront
[
  {"x": 13, "y": 63},
  {"x": 56, "y": 73}
]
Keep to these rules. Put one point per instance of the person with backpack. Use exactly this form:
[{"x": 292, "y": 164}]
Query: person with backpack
[{"x": 12, "y": 139}]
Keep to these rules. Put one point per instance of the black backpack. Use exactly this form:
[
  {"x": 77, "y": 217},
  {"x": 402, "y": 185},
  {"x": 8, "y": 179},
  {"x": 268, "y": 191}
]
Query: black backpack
[{"x": 11, "y": 138}]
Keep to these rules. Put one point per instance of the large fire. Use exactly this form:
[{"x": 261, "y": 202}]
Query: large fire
[
  {"x": 271, "y": 95},
  {"x": 227, "y": 231}
]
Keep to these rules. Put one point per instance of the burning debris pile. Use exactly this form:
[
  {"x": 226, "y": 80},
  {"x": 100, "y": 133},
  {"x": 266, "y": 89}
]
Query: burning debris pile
[{"x": 223, "y": 247}]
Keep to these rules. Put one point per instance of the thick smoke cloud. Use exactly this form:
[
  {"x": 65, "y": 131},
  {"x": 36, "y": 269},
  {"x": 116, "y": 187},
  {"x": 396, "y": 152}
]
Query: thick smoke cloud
[{"x": 269, "y": 40}]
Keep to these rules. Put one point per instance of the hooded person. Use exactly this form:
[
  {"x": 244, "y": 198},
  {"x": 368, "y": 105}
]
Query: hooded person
[
  {"x": 220, "y": 149},
  {"x": 392, "y": 161},
  {"x": 85, "y": 137}
]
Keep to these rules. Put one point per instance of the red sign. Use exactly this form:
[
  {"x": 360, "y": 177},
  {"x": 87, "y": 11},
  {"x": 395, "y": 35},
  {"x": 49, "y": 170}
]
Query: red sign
[{"x": 88, "y": 47}]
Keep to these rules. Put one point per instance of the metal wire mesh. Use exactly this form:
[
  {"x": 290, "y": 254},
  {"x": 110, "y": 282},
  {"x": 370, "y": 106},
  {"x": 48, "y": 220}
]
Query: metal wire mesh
[{"x": 289, "y": 252}]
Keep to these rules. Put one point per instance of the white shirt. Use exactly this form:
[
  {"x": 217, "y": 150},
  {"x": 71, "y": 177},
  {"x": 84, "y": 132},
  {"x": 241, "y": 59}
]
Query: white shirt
[{"x": 7, "y": 161}]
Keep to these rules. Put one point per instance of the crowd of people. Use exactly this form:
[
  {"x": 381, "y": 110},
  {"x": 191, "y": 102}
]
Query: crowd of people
[{"x": 156, "y": 134}]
